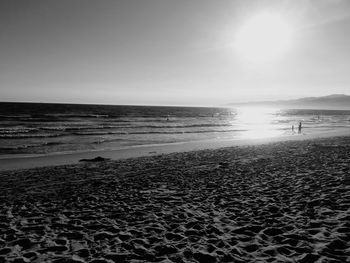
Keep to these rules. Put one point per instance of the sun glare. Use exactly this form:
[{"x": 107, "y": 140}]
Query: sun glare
[
  {"x": 263, "y": 38},
  {"x": 257, "y": 122}
]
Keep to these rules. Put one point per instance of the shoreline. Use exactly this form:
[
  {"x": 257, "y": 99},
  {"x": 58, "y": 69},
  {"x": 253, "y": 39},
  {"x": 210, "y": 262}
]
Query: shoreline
[{"x": 9, "y": 162}]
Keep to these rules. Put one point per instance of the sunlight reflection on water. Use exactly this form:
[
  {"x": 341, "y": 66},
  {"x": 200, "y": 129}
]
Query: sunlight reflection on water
[{"x": 258, "y": 122}]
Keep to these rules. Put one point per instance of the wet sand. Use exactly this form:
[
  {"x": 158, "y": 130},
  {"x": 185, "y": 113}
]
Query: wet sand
[
  {"x": 279, "y": 202},
  {"x": 19, "y": 161}
]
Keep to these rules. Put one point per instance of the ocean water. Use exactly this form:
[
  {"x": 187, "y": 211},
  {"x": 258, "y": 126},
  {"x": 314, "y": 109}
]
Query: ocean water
[{"x": 37, "y": 128}]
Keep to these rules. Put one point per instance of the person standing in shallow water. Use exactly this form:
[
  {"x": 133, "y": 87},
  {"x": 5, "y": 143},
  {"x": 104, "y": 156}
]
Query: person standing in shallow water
[{"x": 299, "y": 128}]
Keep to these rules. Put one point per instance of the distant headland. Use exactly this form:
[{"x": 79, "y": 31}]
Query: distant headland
[{"x": 334, "y": 101}]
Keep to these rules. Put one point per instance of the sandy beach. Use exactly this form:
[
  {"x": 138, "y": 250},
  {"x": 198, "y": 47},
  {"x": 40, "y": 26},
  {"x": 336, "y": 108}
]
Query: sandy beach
[{"x": 277, "y": 202}]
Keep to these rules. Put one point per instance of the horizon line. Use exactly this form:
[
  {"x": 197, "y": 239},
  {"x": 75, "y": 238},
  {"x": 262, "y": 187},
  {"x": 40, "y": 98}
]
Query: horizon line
[{"x": 228, "y": 104}]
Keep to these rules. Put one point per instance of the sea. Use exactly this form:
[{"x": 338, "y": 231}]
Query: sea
[{"x": 42, "y": 128}]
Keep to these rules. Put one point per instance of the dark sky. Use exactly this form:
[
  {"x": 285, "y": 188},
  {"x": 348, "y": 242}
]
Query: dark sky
[{"x": 166, "y": 52}]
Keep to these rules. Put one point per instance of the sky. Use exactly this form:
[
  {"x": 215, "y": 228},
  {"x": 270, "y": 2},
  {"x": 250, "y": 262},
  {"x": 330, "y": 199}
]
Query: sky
[{"x": 167, "y": 52}]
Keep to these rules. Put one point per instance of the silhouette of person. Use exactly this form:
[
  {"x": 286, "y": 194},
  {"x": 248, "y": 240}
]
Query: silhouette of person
[
  {"x": 292, "y": 128},
  {"x": 299, "y": 128}
]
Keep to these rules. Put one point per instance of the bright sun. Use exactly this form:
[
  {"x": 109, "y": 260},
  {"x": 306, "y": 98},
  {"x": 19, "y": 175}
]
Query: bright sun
[{"x": 263, "y": 38}]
